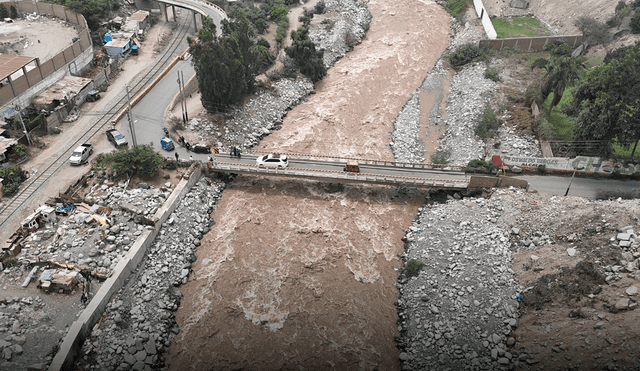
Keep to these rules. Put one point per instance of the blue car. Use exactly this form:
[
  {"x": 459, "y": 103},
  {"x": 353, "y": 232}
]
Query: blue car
[{"x": 167, "y": 144}]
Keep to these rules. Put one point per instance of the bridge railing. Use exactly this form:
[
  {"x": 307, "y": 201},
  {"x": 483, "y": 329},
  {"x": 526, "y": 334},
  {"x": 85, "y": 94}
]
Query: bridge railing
[
  {"x": 361, "y": 161},
  {"x": 351, "y": 177}
]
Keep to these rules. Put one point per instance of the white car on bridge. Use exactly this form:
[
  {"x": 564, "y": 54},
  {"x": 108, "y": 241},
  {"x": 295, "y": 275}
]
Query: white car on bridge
[{"x": 273, "y": 160}]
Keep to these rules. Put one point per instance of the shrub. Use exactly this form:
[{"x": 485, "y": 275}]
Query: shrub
[
  {"x": 479, "y": 166},
  {"x": 170, "y": 164},
  {"x": 492, "y": 74},
  {"x": 263, "y": 42},
  {"x": 20, "y": 150},
  {"x": 12, "y": 177},
  {"x": 594, "y": 32},
  {"x": 319, "y": 8},
  {"x": 635, "y": 23},
  {"x": 412, "y": 268},
  {"x": 281, "y": 32},
  {"x": 14, "y": 12},
  {"x": 546, "y": 130},
  {"x": 466, "y": 54},
  {"x": 454, "y": 7},
  {"x": 140, "y": 160},
  {"x": 488, "y": 125},
  {"x": 4, "y": 13},
  {"x": 440, "y": 158}
]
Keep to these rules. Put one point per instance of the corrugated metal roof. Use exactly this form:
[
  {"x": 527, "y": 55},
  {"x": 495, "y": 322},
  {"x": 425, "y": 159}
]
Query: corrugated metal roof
[
  {"x": 10, "y": 63},
  {"x": 5, "y": 143},
  {"x": 68, "y": 86}
]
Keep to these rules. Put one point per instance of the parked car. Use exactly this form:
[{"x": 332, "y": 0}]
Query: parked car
[
  {"x": 273, "y": 160},
  {"x": 81, "y": 154},
  {"x": 167, "y": 143},
  {"x": 116, "y": 138}
]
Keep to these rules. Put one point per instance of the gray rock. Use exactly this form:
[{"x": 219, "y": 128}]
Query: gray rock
[
  {"x": 143, "y": 185},
  {"x": 129, "y": 358},
  {"x": 503, "y": 361},
  {"x": 571, "y": 251},
  {"x": 141, "y": 355},
  {"x": 6, "y": 354},
  {"x": 404, "y": 356},
  {"x": 622, "y": 304},
  {"x": 632, "y": 290},
  {"x": 519, "y": 4}
]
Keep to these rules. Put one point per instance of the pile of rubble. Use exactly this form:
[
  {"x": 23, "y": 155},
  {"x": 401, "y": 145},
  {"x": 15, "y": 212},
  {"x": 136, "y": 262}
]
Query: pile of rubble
[
  {"x": 463, "y": 308},
  {"x": 138, "y": 325},
  {"x": 98, "y": 233}
]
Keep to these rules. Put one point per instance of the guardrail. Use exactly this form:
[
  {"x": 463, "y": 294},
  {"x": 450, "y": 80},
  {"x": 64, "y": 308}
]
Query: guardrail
[{"x": 339, "y": 176}]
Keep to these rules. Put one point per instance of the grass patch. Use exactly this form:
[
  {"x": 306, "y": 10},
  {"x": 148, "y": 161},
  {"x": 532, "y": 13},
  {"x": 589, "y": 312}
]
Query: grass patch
[
  {"x": 454, "y": 7},
  {"x": 519, "y": 27},
  {"x": 564, "y": 125},
  {"x": 488, "y": 125}
]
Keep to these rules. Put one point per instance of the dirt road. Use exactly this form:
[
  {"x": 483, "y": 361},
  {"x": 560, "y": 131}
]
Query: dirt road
[{"x": 297, "y": 275}]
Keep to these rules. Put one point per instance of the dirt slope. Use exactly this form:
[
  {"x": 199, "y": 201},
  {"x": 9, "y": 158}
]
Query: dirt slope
[{"x": 295, "y": 276}]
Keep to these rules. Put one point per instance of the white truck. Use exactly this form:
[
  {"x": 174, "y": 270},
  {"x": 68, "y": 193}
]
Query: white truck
[{"x": 81, "y": 154}]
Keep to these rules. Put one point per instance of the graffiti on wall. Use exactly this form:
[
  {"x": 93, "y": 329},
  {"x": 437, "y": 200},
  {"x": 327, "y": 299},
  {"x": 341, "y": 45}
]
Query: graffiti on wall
[{"x": 580, "y": 164}]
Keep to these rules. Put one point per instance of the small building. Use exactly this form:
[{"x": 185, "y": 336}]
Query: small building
[
  {"x": 137, "y": 23},
  {"x": 69, "y": 89},
  {"x": 119, "y": 45}
]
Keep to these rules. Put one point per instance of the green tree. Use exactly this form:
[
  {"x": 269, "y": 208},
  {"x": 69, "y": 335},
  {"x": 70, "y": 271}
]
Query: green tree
[
  {"x": 561, "y": 68},
  {"x": 4, "y": 13},
  {"x": 279, "y": 10},
  {"x": 13, "y": 11},
  {"x": 303, "y": 52},
  {"x": 140, "y": 160},
  {"x": 226, "y": 66},
  {"x": 606, "y": 103}
]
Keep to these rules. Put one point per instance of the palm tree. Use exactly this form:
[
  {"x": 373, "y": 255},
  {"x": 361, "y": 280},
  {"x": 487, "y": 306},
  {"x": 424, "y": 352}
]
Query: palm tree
[{"x": 561, "y": 69}]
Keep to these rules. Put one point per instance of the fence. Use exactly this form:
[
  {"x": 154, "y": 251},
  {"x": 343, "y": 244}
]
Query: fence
[
  {"x": 530, "y": 44},
  {"x": 64, "y": 59}
]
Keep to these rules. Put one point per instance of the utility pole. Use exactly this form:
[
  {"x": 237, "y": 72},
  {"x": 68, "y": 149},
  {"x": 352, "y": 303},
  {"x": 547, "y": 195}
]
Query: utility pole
[
  {"x": 184, "y": 121},
  {"x": 186, "y": 111},
  {"x": 131, "y": 127},
  {"x": 571, "y": 181},
  {"x": 23, "y": 126}
]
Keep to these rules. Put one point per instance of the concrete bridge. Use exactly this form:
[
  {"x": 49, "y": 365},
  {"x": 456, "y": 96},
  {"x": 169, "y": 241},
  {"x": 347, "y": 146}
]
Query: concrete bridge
[{"x": 202, "y": 7}]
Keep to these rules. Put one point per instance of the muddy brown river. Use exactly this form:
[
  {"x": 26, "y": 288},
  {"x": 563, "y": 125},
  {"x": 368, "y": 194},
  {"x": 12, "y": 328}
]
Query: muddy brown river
[{"x": 300, "y": 275}]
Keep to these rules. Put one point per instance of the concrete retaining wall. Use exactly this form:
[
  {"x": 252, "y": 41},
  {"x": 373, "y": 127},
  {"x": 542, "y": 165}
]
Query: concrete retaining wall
[
  {"x": 81, "y": 328},
  {"x": 484, "y": 18},
  {"x": 24, "y": 99},
  {"x": 496, "y": 182},
  {"x": 190, "y": 87}
]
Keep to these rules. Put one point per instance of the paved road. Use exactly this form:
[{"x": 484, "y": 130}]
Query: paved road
[{"x": 583, "y": 187}]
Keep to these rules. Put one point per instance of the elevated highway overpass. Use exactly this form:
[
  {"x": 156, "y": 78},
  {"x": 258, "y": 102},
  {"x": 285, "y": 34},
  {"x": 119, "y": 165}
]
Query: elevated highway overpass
[{"x": 202, "y": 7}]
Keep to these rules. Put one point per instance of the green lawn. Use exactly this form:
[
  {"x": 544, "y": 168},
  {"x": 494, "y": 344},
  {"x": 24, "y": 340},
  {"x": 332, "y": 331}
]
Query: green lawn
[
  {"x": 519, "y": 27},
  {"x": 563, "y": 124}
]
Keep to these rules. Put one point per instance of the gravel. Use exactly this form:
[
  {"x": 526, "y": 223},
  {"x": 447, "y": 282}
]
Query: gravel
[{"x": 344, "y": 25}]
